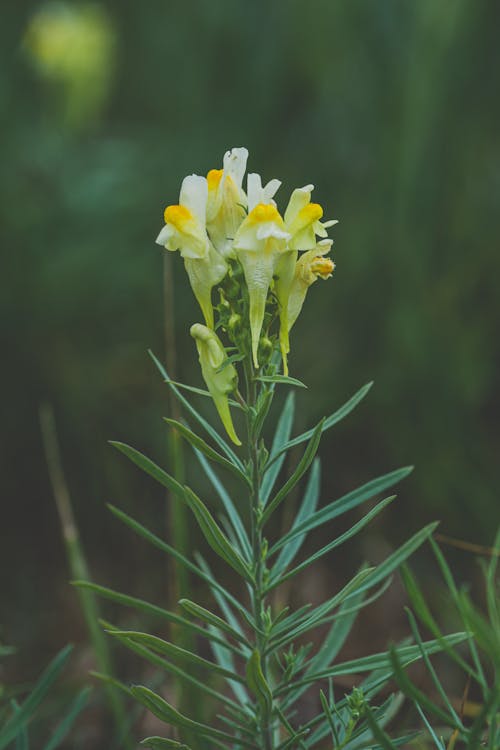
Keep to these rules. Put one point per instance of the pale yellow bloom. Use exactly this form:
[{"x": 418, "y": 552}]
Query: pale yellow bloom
[
  {"x": 185, "y": 230},
  {"x": 220, "y": 382},
  {"x": 309, "y": 267},
  {"x": 259, "y": 242},
  {"x": 226, "y": 200}
]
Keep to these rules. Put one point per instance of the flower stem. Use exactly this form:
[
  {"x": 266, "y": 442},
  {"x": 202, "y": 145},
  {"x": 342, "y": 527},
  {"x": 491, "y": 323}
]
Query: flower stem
[{"x": 264, "y": 719}]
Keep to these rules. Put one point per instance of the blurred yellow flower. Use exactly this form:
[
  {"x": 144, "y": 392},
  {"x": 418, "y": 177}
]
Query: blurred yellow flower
[{"x": 73, "y": 46}]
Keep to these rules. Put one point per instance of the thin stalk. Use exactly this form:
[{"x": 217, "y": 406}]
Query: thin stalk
[
  {"x": 177, "y": 518},
  {"x": 78, "y": 566},
  {"x": 264, "y": 728}
]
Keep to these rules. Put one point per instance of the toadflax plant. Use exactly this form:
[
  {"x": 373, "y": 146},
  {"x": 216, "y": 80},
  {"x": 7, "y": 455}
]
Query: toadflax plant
[{"x": 250, "y": 268}]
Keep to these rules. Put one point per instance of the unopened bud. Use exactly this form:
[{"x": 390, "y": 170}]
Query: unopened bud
[{"x": 234, "y": 325}]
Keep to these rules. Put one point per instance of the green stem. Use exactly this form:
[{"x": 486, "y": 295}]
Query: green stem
[{"x": 265, "y": 728}]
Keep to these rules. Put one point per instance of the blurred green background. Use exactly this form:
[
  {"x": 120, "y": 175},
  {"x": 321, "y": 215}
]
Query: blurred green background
[{"x": 390, "y": 108}]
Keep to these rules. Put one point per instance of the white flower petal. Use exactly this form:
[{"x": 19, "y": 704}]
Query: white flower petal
[
  {"x": 271, "y": 230},
  {"x": 194, "y": 195},
  {"x": 165, "y": 235},
  {"x": 235, "y": 164},
  {"x": 270, "y": 190},
  {"x": 254, "y": 190}
]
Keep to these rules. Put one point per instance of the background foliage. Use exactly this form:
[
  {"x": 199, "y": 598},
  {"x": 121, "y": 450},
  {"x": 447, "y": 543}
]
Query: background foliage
[{"x": 391, "y": 109}]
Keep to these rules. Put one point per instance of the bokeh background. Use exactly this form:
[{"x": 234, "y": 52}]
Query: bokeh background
[{"x": 392, "y": 110}]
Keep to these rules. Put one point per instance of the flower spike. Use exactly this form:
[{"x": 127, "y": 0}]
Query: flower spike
[{"x": 220, "y": 382}]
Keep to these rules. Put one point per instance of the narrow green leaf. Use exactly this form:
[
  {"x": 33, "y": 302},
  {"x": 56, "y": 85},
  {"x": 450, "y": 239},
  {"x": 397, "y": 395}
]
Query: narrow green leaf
[
  {"x": 197, "y": 442},
  {"x": 300, "y": 470},
  {"x": 231, "y": 455},
  {"x": 204, "y": 614},
  {"x": 329, "y": 717},
  {"x": 65, "y": 725},
  {"x": 337, "y": 635},
  {"x": 225, "y": 659},
  {"x": 307, "y": 508},
  {"x": 145, "y": 463},
  {"x": 345, "y": 503},
  {"x": 435, "y": 679},
  {"x": 277, "y": 579},
  {"x": 214, "y": 536},
  {"x": 411, "y": 691},
  {"x": 14, "y": 725},
  {"x": 419, "y": 604},
  {"x": 229, "y": 506},
  {"x": 382, "y": 660},
  {"x": 22, "y": 741},
  {"x": 332, "y": 420},
  {"x": 312, "y": 617},
  {"x": 167, "y": 713},
  {"x": 161, "y": 743},
  {"x": 160, "y": 544},
  {"x": 258, "y": 683},
  {"x": 223, "y": 598},
  {"x": 143, "y": 606},
  {"x": 399, "y": 556},
  {"x": 282, "y": 434},
  {"x": 280, "y": 379},
  {"x": 174, "y": 669},
  {"x": 378, "y": 733},
  {"x": 108, "y": 680},
  {"x": 171, "y": 650}
]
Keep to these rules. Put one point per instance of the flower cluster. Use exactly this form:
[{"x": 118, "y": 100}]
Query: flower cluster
[{"x": 261, "y": 262}]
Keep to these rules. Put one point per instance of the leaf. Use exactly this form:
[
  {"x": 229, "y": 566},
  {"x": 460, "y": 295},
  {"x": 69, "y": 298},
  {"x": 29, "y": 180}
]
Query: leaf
[
  {"x": 173, "y": 669},
  {"x": 140, "y": 604},
  {"x": 204, "y": 614},
  {"x": 278, "y": 579},
  {"x": 382, "y": 660},
  {"x": 145, "y": 463},
  {"x": 336, "y": 637},
  {"x": 197, "y": 442},
  {"x": 65, "y": 725},
  {"x": 214, "y": 536},
  {"x": 307, "y": 507},
  {"x": 167, "y": 713},
  {"x": 330, "y": 421},
  {"x": 318, "y": 614},
  {"x": 231, "y": 455},
  {"x": 159, "y": 743},
  {"x": 258, "y": 684},
  {"x": 300, "y": 470},
  {"x": 229, "y": 506},
  {"x": 282, "y": 434},
  {"x": 171, "y": 650},
  {"x": 343, "y": 504},
  {"x": 399, "y": 556},
  {"x": 22, "y": 717},
  {"x": 160, "y": 544},
  {"x": 411, "y": 691},
  {"x": 280, "y": 379}
]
